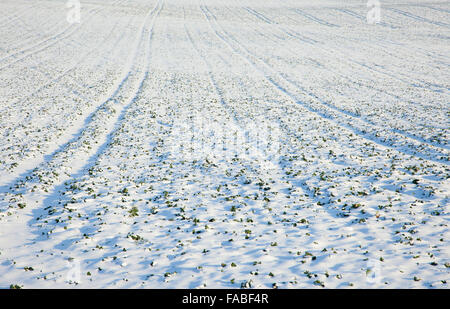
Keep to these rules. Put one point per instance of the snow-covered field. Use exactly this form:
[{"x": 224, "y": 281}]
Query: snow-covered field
[{"x": 224, "y": 144}]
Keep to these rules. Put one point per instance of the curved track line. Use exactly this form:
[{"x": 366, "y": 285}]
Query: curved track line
[
  {"x": 393, "y": 130},
  {"x": 34, "y": 35},
  {"x": 62, "y": 75},
  {"x": 53, "y": 79},
  {"x": 17, "y": 15},
  {"x": 112, "y": 125},
  {"x": 50, "y": 41},
  {"x": 313, "y": 42},
  {"x": 418, "y": 18},
  {"x": 280, "y": 168},
  {"x": 259, "y": 15},
  {"x": 412, "y": 81},
  {"x": 363, "y": 18},
  {"x": 313, "y": 18},
  {"x": 101, "y": 112},
  {"x": 362, "y": 133}
]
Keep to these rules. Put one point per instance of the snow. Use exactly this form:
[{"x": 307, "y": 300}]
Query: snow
[{"x": 203, "y": 143}]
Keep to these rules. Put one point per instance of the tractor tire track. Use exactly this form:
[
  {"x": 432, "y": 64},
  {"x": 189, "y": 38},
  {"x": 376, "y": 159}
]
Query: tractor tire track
[
  {"x": 55, "y": 79},
  {"x": 357, "y": 86},
  {"x": 418, "y": 18},
  {"x": 100, "y": 122},
  {"x": 48, "y": 42},
  {"x": 280, "y": 80}
]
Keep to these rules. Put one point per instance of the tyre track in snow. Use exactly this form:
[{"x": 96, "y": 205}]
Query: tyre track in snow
[
  {"x": 324, "y": 214},
  {"x": 114, "y": 224},
  {"x": 357, "y": 86},
  {"x": 79, "y": 155},
  {"x": 409, "y": 80},
  {"x": 58, "y": 25},
  {"x": 48, "y": 42},
  {"x": 238, "y": 122},
  {"x": 136, "y": 122},
  {"x": 293, "y": 34},
  {"x": 434, "y": 8},
  {"x": 110, "y": 124},
  {"x": 395, "y": 130},
  {"x": 74, "y": 154},
  {"x": 24, "y": 166},
  {"x": 33, "y": 34},
  {"x": 243, "y": 114},
  {"x": 29, "y": 33},
  {"x": 17, "y": 15},
  {"x": 418, "y": 18},
  {"x": 280, "y": 80},
  {"x": 55, "y": 79},
  {"x": 313, "y": 18},
  {"x": 364, "y": 18},
  {"x": 422, "y": 140},
  {"x": 406, "y": 50},
  {"x": 52, "y": 78},
  {"x": 254, "y": 169},
  {"x": 259, "y": 15}
]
